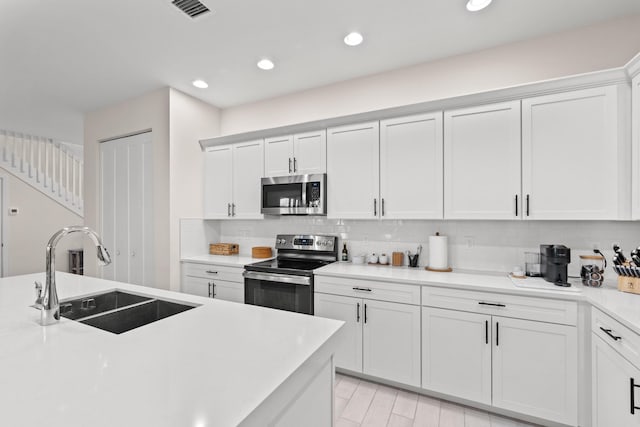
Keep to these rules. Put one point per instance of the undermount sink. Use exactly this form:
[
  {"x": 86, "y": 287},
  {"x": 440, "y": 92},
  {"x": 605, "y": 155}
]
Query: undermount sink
[{"x": 118, "y": 311}]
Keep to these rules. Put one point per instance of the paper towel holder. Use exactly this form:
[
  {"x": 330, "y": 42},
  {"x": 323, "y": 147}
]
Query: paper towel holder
[{"x": 439, "y": 270}]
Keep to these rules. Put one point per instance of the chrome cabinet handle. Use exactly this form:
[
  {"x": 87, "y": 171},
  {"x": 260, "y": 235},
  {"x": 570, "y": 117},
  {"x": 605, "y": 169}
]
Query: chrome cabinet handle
[
  {"x": 295, "y": 166},
  {"x": 362, "y": 289},
  {"x": 213, "y": 292},
  {"x": 289, "y": 164},
  {"x": 516, "y": 205},
  {"x": 228, "y": 209},
  {"x": 633, "y": 396},
  {"x": 494, "y": 304},
  {"x": 211, "y": 272},
  {"x": 382, "y": 206},
  {"x": 233, "y": 209},
  {"x": 527, "y": 205},
  {"x": 375, "y": 207},
  {"x": 209, "y": 289},
  {"x": 365, "y": 313},
  {"x": 358, "y": 313}
]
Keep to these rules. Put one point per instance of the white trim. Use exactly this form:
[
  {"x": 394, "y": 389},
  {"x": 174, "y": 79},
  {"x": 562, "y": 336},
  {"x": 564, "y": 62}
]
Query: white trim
[
  {"x": 513, "y": 93},
  {"x": 633, "y": 66},
  {"x": 4, "y": 227}
]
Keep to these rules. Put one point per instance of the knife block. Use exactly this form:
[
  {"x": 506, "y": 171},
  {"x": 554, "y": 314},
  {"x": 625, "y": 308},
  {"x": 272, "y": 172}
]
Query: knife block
[{"x": 629, "y": 284}]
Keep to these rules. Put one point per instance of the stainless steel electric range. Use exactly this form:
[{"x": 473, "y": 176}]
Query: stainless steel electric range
[{"x": 286, "y": 282}]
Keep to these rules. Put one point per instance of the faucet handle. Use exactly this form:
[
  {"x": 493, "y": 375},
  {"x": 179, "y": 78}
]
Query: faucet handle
[{"x": 38, "y": 293}]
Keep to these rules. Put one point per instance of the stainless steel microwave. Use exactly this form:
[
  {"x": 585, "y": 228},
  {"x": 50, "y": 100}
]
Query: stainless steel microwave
[{"x": 294, "y": 195}]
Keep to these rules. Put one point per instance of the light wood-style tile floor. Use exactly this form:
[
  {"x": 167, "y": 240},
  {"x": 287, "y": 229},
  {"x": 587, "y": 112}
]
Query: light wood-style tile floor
[{"x": 361, "y": 403}]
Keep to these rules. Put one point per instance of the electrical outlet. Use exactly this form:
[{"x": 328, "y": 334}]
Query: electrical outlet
[{"x": 469, "y": 241}]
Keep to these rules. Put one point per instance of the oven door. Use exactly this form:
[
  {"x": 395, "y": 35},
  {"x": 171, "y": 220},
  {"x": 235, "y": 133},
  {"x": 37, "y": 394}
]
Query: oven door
[{"x": 281, "y": 291}]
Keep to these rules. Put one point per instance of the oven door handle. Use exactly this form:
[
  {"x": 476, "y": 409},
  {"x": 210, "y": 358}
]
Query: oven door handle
[{"x": 274, "y": 277}]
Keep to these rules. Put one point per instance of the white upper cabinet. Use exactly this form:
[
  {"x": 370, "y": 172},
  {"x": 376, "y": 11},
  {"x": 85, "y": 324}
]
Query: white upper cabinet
[
  {"x": 482, "y": 162},
  {"x": 217, "y": 182},
  {"x": 278, "y": 156},
  {"x": 247, "y": 173},
  {"x": 310, "y": 153},
  {"x": 232, "y": 181},
  {"x": 300, "y": 154},
  {"x": 353, "y": 174},
  {"x": 575, "y": 160},
  {"x": 411, "y": 167},
  {"x": 635, "y": 131}
]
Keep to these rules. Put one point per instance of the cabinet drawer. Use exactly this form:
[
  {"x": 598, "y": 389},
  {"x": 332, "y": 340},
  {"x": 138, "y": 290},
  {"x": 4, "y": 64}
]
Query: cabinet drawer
[
  {"x": 622, "y": 339},
  {"x": 213, "y": 271},
  {"x": 539, "y": 309},
  {"x": 381, "y": 291}
]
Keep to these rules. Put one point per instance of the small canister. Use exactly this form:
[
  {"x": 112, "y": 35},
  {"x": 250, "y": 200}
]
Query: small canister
[
  {"x": 397, "y": 259},
  {"x": 592, "y": 270}
]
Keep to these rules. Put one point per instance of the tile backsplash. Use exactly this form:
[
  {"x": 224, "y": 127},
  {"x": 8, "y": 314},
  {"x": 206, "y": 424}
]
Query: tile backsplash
[{"x": 495, "y": 246}]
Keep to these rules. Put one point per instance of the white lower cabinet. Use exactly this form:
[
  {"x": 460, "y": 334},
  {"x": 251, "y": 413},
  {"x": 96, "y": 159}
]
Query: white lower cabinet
[
  {"x": 615, "y": 358},
  {"x": 535, "y": 369},
  {"x": 380, "y": 338},
  {"x": 213, "y": 281},
  {"x": 521, "y": 365},
  {"x": 456, "y": 353}
]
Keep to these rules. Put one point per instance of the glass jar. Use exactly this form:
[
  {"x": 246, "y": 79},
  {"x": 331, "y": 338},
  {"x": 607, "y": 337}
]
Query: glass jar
[{"x": 592, "y": 270}]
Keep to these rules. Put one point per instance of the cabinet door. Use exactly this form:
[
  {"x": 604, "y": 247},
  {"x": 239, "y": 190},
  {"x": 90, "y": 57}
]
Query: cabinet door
[
  {"x": 456, "y": 353},
  {"x": 349, "y": 310},
  {"x": 635, "y": 121},
  {"x": 247, "y": 172},
  {"x": 228, "y": 291},
  {"x": 611, "y": 387},
  {"x": 482, "y": 162},
  {"x": 411, "y": 167},
  {"x": 310, "y": 153},
  {"x": 391, "y": 341},
  {"x": 278, "y": 156},
  {"x": 353, "y": 171},
  {"x": 218, "y": 174},
  {"x": 197, "y": 286},
  {"x": 570, "y": 155},
  {"x": 535, "y": 369}
]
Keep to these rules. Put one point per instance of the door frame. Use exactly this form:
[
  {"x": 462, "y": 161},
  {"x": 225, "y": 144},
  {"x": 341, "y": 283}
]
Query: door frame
[{"x": 4, "y": 217}]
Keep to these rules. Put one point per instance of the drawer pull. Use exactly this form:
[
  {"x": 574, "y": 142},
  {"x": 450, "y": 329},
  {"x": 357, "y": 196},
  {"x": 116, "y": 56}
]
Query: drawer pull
[
  {"x": 493, "y": 304},
  {"x": 362, "y": 289},
  {"x": 633, "y": 396},
  {"x": 211, "y": 272},
  {"x": 608, "y": 332}
]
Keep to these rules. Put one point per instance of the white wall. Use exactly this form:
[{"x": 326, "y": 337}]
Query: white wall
[
  {"x": 598, "y": 47},
  {"x": 149, "y": 111},
  {"x": 189, "y": 121},
  {"x": 28, "y": 232}
]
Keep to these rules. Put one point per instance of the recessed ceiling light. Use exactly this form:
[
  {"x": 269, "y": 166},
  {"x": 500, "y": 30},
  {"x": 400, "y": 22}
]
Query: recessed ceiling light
[
  {"x": 200, "y": 84},
  {"x": 353, "y": 39},
  {"x": 265, "y": 64},
  {"x": 476, "y": 5}
]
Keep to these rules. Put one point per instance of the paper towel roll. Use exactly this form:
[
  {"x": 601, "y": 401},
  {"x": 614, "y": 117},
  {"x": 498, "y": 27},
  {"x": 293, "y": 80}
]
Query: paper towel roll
[{"x": 438, "y": 252}]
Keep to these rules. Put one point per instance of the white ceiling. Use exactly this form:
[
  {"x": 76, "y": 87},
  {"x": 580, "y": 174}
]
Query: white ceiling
[{"x": 65, "y": 57}]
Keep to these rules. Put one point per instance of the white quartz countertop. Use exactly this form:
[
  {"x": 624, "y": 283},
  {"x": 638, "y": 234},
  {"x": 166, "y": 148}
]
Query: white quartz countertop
[
  {"x": 230, "y": 260},
  {"x": 624, "y": 307},
  {"x": 209, "y": 366}
]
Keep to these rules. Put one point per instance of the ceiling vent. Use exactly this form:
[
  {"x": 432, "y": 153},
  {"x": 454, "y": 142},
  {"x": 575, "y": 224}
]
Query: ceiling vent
[{"x": 193, "y": 8}]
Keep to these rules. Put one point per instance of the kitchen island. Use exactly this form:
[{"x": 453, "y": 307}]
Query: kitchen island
[{"x": 219, "y": 364}]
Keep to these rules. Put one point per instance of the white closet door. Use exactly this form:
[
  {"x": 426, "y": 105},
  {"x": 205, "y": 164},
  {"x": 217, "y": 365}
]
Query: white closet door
[
  {"x": 140, "y": 212},
  {"x": 127, "y": 208}
]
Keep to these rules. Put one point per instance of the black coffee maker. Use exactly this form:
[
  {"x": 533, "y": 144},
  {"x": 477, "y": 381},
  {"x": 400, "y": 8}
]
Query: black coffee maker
[{"x": 554, "y": 260}]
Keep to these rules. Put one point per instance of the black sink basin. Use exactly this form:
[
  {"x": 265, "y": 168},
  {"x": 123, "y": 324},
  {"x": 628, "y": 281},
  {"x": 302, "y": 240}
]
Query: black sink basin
[
  {"x": 118, "y": 311},
  {"x": 129, "y": 318},
  {"x": 89, "y": 306}
]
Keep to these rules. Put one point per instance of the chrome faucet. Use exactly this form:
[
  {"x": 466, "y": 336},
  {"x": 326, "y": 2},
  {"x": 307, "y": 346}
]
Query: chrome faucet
[{"x": 47, "y": 299}]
